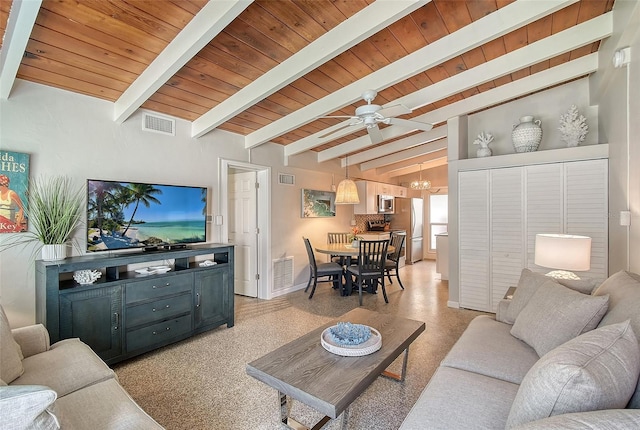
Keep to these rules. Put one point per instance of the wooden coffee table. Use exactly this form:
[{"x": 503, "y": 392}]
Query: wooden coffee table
[{"x": 329, "y": 383}]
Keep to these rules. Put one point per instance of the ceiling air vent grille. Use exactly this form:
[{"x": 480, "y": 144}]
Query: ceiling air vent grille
[
  {"x": 158, "y": 124},
  {"x": 286, "y": 179}
]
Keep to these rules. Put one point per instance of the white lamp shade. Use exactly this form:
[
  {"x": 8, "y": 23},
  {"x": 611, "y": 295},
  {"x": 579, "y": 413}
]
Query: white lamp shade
[
  {"x": 563, "y": 251},
  {"x": 347, "y": 193}
]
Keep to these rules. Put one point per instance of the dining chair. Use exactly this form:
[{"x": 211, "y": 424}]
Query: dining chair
[
  {"x": 332, "y": 271},
  {"x": 337, "y": 238},
  {"x": 393, "y": 260},
  {"x": 370, "y": 268}
]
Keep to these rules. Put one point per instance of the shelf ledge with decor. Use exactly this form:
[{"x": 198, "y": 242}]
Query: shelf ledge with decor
[{"x": 578, "y": 153}]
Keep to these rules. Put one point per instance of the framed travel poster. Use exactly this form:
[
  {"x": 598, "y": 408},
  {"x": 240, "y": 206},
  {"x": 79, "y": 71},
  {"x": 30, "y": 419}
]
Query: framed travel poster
[
  {"x": 14, "y": 183},
  {"x": 318, "y": 203}
]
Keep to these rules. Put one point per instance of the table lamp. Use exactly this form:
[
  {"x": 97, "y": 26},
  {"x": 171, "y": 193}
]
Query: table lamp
[{"x": 565, "y": 252}]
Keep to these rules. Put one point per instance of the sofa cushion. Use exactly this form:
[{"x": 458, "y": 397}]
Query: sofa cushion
[
  {"x": 10, "y": 353},
  {"x": 555, "y": 314},
  {"x": 609, "y": 419},
  {"x": 487, "y": 347},
  {"x": 485, "y": 401},
  {"x": 597, "y": 370},
  {"x": 68, "y": 366},
  {"x": 623, "y": 289},
  {"x": 529, "y": 283},
  {"x": 27, "y": 407},
  {"x": 110, "y": 405}
]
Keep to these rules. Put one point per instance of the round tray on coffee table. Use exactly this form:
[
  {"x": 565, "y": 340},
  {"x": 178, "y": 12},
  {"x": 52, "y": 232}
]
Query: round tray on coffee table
[{"x": 373, "y": 344}]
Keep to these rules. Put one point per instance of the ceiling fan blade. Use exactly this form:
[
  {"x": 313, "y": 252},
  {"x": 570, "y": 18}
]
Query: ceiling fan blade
[
  {"x": 375, "y": 134},
  {"x": 356, "y": 121},
  {"x": 409, "y": 124},
  {"x": 395, "y": 110},
  {"x": 337, "y": 116}
]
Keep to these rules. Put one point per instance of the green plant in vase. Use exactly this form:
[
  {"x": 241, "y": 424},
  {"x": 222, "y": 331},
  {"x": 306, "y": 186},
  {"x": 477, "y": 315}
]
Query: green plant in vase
[{"x": 54, "y": 211}]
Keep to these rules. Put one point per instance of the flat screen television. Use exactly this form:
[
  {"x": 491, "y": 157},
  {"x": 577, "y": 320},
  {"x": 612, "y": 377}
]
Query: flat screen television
[{"x": 127, "y": 215}]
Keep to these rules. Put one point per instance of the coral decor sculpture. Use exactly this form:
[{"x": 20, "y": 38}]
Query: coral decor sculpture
[
  {"x": 484, "y": 139},
  {"x": 574, "y": 128}
]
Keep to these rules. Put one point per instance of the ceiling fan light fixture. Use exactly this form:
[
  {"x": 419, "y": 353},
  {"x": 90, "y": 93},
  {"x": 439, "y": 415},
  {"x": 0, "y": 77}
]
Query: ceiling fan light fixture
[
  {"x": 347, "y": 193},
  {"x": 420, "y": 184}
]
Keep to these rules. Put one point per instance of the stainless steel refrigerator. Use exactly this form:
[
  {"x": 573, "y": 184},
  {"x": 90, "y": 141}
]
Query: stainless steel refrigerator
[{"x": 409, "y": 215}]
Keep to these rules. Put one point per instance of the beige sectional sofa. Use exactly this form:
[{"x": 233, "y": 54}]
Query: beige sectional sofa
[
  {"x": 556, "y": 356},
  {"x": 64, "y": 385}
]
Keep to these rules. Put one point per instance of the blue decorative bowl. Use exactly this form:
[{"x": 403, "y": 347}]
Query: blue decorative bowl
[{"x": 346, "y": 333}]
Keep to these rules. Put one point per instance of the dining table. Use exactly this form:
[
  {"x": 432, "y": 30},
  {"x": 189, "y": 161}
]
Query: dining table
[{"x": 347, "y": 251}]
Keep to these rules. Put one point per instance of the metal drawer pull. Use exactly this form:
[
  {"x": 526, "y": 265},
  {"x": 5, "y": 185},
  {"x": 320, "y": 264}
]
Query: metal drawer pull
[
  {"x": 167, "y": 329},
  {"x": 161, "y": 286},
  {"x": 198, "y": 301},
  {"x": 166, "y": 307},
  {"x": 117, "y": 315}
]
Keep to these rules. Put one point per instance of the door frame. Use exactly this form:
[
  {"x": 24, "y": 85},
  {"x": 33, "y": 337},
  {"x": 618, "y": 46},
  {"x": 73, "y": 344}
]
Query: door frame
[{"x": 263, "y": 221}]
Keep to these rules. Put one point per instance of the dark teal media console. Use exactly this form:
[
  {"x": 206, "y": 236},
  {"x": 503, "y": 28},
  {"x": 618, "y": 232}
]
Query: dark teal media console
[{"x": 124, "y": 313}]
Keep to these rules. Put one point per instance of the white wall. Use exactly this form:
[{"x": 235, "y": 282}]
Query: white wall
[
  {"x": 617, "y": 91},
  {"x": 287, "y": 225},
  {"x": 72, "y": 134}
]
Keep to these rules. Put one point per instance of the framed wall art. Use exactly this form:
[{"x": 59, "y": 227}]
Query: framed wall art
[
  {"x": 14, "y": 183},
  {"x": 318, "y": 203}
]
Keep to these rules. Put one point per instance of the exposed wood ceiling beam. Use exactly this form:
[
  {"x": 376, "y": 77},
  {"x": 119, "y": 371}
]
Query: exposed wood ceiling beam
[
  {"x": 347, "y": 34},
  {"x": 22, "y": 18},
  {"x": 397, "y": 145},
  {"x": 202, "y": 28},
  {"x": 565, "y": 41},
  {"x": 494, "y": 25},
  {"x": 556, "y": 75},
  {"x": 407, "y": 154},
  {"x": 437, "y": 161},
  {"x": 412, "y": 165}
]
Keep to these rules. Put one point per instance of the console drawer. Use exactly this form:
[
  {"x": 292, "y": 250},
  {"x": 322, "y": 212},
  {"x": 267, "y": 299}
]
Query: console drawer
[
  {"x": 158, "y": 310},
  {"x": 158, "y": 333},
  {"x": 158, "y": 287}
]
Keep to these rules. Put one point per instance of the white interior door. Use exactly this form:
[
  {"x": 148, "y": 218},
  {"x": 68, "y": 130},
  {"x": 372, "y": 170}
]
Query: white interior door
[{"x": 243, "y": 231}]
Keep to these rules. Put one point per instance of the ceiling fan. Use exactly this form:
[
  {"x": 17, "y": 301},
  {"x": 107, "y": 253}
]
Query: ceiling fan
[{"x": 371, "y": 115}]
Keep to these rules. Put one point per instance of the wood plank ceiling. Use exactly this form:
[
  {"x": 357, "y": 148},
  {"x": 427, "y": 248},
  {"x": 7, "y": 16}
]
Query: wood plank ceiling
[{"x": 100, "y": 47}]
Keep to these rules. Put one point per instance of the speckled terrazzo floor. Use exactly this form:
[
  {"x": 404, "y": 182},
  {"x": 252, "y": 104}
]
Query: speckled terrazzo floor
[{"x": 200, "y": 383}]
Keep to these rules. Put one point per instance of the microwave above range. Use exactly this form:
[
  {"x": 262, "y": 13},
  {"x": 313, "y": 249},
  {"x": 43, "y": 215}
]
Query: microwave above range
[{"x": 386, "y": 204}]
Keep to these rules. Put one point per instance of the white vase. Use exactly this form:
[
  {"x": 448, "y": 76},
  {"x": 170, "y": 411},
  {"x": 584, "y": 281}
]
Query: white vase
[
  {"x": 355, "y": 244},
  {"x": 54, "y": 252},
  {"x": 526, "y": 135}
]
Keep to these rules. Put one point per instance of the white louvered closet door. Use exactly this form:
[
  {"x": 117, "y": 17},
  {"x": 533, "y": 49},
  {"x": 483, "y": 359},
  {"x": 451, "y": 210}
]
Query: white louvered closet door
[
  {"x": 507, "y": 231},
  {"x": 587, "y": 208},
  {"x": 544, "y": 205},
  {"x": 473, "y": 219}
]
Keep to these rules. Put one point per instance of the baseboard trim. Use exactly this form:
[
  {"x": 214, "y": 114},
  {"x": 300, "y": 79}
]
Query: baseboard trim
[{"x": 454, "y": 305}]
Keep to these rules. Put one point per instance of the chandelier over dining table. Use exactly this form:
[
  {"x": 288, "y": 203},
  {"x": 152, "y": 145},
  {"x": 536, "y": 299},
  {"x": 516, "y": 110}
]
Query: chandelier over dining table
[{"x": 420, "y": 184}]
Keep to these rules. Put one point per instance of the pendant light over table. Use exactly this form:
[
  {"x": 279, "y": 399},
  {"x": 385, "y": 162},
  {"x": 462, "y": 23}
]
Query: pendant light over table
[
  {"x": 420, "y": 184},
  {"x": 347, "y": 193}
]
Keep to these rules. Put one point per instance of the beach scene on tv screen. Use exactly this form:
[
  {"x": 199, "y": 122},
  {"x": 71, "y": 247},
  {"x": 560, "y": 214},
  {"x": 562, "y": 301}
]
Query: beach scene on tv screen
[{"x": 123, "y": 215}]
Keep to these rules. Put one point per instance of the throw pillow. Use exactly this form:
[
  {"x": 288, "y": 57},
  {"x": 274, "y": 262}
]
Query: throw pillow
[
  {"x": 556, "y": 314},
  {"x": 623, "y": 289},
  {"x": 529, "y": 283},
  {"x": 10, "y": 353},
  {"x": 597, "y": 370},
  {"x": 27, "y": 407}
]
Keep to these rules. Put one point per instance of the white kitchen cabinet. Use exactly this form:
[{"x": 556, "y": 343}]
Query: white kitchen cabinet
[
  {"x": 368, "y": 195},
  {"x": 502, "y": 209},
  {"x": 368, "y": 192}
]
